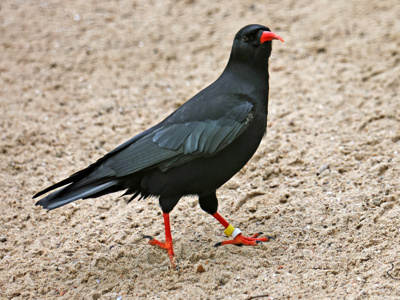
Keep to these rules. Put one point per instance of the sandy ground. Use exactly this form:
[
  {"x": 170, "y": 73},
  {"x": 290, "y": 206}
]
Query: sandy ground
[{"x": 77, "y": 78}]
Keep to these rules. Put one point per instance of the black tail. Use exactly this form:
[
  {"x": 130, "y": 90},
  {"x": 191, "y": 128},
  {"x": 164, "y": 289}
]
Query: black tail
[
  {"x": 92, "y": 182},
  {"x": 73, "y": 192},
  {"x": 98, "y": 179}
]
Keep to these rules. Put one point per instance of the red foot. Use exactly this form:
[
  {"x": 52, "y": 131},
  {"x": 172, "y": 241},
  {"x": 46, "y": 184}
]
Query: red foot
[
  {"x": 168, "y": 241},
  {"x": 167, "y": 246},
  {"x": 240, "y": 240}
]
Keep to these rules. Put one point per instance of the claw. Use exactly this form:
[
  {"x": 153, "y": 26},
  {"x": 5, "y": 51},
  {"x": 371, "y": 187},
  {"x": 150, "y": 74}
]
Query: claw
[
  {"x": 218, "y": 244},
  {"x": 177, "y": 268},
  {"x": 148, "y": 237}
]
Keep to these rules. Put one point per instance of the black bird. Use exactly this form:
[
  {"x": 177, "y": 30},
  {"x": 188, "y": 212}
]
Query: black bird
[{"x": 195, "y": 150}]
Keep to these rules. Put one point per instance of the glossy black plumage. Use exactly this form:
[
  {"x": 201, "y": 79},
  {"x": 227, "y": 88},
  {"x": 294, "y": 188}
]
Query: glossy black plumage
[{"x": 194, "y": 150}]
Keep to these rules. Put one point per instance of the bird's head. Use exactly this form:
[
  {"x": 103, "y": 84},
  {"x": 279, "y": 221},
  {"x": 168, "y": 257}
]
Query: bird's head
[{"x": 252, "y": 45}]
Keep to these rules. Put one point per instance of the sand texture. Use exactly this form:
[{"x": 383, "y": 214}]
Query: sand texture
[{"x": 78, "y": 78}]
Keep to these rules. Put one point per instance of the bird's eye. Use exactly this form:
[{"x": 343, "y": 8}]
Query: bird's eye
[{"x": 245, "y": 38}]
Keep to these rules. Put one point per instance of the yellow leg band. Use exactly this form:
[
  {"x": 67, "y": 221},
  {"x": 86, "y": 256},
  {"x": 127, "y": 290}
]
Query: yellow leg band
[{"x": 228, "y": 231}]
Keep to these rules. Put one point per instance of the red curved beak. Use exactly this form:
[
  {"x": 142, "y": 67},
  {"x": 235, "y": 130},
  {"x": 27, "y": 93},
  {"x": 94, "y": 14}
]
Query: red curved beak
[{"x": 269, "y": 36}]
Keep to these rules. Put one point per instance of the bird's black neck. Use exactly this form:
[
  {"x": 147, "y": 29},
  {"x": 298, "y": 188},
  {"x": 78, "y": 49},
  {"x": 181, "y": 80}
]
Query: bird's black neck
[
  {"x": 256, "y": 76},
  {"x": 254, "y": 81},
  {"x": 257, "y": 73}
]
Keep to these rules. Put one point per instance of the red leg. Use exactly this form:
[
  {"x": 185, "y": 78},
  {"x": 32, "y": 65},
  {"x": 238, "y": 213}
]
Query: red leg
[
  {"x": 168, "y": 240},
  {"x": 238, "y": 238}
]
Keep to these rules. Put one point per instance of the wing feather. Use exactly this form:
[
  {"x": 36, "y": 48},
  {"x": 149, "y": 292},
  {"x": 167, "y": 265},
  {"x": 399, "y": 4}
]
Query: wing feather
[
  {"x": 205, "y": 138},
  {"x": 174, "y": 144}
]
